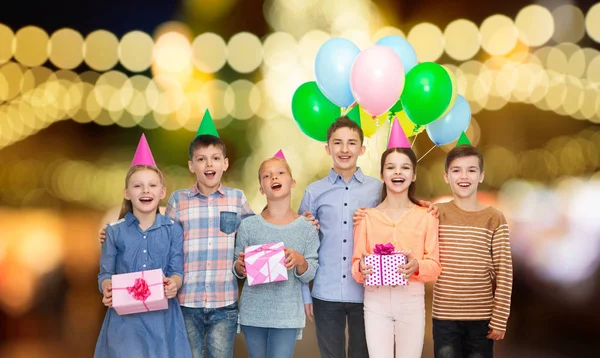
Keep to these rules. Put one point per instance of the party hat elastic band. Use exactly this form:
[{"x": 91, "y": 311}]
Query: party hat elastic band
[
  {"x": 143, "y": 155},
  {"x": 279, "y": 154},
  {"x": 397, "y": 137},
  {"x": 207, "y": 126}
]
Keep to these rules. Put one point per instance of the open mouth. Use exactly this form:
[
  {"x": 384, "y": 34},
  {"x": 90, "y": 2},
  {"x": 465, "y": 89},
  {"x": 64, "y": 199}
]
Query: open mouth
[
  {"x": 398, "y": 180},
  {"x": 210, "y": 174},
  {"x": 146, "y": 200},
  {"x": 344, "y": 157},
  {"x": 276, "y": 186},
  {"x": 464, "y": 185}
]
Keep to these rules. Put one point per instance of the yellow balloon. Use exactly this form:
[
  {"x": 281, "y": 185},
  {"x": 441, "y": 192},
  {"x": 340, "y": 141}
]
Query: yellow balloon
[
  {"x": 454, "y": 91},
  {"x": 407, "y": 125},
  {"x": 369, "y": 125}
]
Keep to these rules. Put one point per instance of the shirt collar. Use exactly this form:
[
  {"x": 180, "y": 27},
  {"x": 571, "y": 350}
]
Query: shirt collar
[
  {"x": 195, "y": 190},
  {"x": 160, "y": 220},
  {"x": 358, "y": 175}
]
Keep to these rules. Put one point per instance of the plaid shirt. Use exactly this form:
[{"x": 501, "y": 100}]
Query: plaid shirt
[{"x": 209, "y": 227}]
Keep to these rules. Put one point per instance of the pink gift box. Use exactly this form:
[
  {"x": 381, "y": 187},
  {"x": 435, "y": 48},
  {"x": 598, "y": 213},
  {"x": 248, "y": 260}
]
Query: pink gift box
[
  {"x": 265, "y": 263},
  {"x": 385, "y": 269},
  {"x": 141, "y": 291}
]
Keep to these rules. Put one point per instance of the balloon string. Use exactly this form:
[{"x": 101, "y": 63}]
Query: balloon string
[
  {"x": 414, "y": 140},
  {"x": 426, "y": 153}
]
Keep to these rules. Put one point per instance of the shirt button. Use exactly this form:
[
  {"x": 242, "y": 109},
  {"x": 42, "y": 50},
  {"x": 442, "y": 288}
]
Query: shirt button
[
  {"x": 346, "y": 188},
  {"x": 144, "y": 265},
  {"x": 345, "y": 222},
  {"x": 144, "y": 236},
  {"x": 344, "y": 258},
  {"x": 144, "y": 251},
  {"x": 344, "y": 276},
  {"x": 344, "y": 240},
  {"x": 345, "y": 204}
]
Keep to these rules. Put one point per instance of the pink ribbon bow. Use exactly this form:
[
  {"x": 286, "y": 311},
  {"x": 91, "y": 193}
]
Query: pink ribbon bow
[
  {"x": 386, "y": 249},
  {"x": 140, "y": 290}
]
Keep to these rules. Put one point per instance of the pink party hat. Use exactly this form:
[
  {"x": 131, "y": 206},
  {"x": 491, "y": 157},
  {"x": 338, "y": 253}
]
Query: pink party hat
[
  {"x": 397, "y": 137},
  {"x": 279, "y": 154},
  {"x": 143, "y": 155}
]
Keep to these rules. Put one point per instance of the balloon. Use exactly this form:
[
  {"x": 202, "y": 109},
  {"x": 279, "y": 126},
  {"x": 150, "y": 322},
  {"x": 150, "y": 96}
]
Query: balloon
[
  {"x": 409, "y": 128},
  {"x": 450, "y": 127},
  {"x": 403, "y": 49},
  {"x": 377, "y": 79},
  {"x": 427, "y": 93},
  {"x": 313, "y": 112},
  {"x": 332, "y": 70},
  {"x": 397, "y": 107},
  {"x": 454, "y": 90}
]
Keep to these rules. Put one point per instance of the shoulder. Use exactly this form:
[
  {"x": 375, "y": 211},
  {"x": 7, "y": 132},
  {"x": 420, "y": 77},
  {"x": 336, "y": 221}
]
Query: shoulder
[
  {"x": 233, "y": 193},
  {"x": 116, "y": 223},
  {"x": 497, "y": 218},
  {"x": 178, "y": 194},
  {"x": 319, "y": 185},
  {"x": 250, "y": 221}
]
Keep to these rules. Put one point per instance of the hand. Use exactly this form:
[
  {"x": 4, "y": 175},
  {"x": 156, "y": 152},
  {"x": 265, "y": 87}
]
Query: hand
[
  {"x": 308, "y": 310},
  {"x": 412, "y": 266},
  {"x": 170, "y": 287},
  {"x": 495, "y": 334},
  {"x": 240, "y": 265},
  {"x": 293, "y": 259},
  {"x": 359, "y": 215},
  {"x": 310, "y": 217},
  {"x": 365, "y": 270},
  {"x": 102, "y": 234},
  {"x": 107, "y": 293},
  {"x": 433, "y": 209}
]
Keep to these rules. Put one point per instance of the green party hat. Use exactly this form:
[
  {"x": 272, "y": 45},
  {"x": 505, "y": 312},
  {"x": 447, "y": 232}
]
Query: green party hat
[
  {"x": 463, "y": 140},
  {"x": 207, "y": 126}
]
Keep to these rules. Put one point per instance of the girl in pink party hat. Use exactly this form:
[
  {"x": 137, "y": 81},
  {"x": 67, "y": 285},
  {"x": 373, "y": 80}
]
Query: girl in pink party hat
[
  {"x": 398, "y": 223},
  {"x": 143, "y": 239},
  {"x": 272, "y": 314}
]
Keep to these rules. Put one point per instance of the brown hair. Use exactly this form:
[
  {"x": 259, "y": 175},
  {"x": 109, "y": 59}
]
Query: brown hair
[
  {"x": 461, "y": 151},
  {"x": 413, "y": 159},
  {"x": 345, "y": 122},
  {"x": 127, "y": 206},
  {"x": 204, "y": 141}
]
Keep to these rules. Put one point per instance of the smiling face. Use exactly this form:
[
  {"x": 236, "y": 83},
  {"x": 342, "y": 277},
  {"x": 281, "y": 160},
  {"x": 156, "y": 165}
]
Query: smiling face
[
  {"x": 144, "y": 189},
  {"x": 398, "y": 172},
  {"x": 345, "y": 147},
  {"x": 464, "y": 175},
  {"x": 208, "y": 163},
  {"x": 275, "y": 179}
]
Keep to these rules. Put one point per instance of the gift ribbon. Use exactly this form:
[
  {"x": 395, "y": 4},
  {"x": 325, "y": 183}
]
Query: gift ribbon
[
  {"x": 264, "y": 248},
  {"x": 140, "y": 291}
]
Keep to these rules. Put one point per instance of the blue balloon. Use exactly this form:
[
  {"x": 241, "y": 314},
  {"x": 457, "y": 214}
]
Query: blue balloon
[
  {"x": 403, "y": 49},
  {"x": 449, "y": 128},
  {"x": 332, "y": 70}
]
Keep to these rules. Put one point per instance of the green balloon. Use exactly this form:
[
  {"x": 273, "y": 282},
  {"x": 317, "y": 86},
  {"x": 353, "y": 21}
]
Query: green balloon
[
  {"x": 313, "y": 112},
  {"x": 397, "y": 107},
  {"x": 427, "y": 93}
]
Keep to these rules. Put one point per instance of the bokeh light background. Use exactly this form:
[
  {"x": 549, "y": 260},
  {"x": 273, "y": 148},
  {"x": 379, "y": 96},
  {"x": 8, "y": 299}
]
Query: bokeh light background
[{"x": 80, "y": 82}]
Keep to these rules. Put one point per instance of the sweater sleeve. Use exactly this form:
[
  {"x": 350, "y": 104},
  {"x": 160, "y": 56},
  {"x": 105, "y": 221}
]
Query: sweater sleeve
[
  {"x": 311, "y": 255},
  {"x": 502, "y": 262},
  {"x": 360, "y": 247},
  {"x": 429, "y": 265},
  {"x": 241, "y": 241}
]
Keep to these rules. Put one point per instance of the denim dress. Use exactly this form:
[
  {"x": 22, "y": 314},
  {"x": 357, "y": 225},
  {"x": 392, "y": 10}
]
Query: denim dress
[{"x": 129, "y": 249}]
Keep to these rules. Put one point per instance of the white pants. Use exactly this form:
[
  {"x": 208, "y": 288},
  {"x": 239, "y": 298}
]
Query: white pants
[{"x": 395, "y": 312}]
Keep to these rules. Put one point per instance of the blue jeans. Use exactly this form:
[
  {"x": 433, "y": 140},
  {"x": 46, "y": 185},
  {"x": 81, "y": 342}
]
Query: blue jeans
[
  {"x": 215, "y": 325},
  {"x": 270, "y": 342},
  {"x": 462, "y": 339}
]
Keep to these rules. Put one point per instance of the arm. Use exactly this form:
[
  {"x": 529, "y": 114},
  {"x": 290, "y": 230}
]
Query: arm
[
  {"x": 311, "y": 255},
  {"x": 361, "y": 247},
  {"x": 241, "y": 241},
  {"x": 246, "y": 209},
  {"x": 175, "y": 265},
  {"x": 108, "y": 258},
  {"x": 306, "y": 204},
  {"x": 429, "y": 267},
  {"x": 502, "y": 262},
  {"x": 171, "y": 210}
]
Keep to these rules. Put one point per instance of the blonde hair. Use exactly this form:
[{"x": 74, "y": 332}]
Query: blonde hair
[
  {"x": 127, "y": 206},
  {"x": 282, "y": 161}
]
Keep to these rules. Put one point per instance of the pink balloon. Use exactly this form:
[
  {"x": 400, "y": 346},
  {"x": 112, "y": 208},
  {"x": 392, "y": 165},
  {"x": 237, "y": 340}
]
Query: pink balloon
[{"x": 377, "y": 79}]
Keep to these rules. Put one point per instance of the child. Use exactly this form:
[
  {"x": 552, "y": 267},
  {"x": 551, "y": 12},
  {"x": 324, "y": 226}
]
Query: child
[
  {"x": 397, "y": 311},
  {"x": 272, "y": 314},
  {"x": 333, "y": 200},
  {"x": 471, "y": 298},
  {"x": 142, "y": 239}
]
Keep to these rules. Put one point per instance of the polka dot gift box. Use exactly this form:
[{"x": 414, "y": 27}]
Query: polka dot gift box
[{"x": 385, "y": 261}]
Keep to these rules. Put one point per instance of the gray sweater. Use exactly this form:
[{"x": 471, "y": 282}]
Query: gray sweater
[{"x": 277, "y": 304}]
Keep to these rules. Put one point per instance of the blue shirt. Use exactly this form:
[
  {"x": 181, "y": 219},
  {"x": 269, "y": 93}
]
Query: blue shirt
[{"x": 332, "y": 201}]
